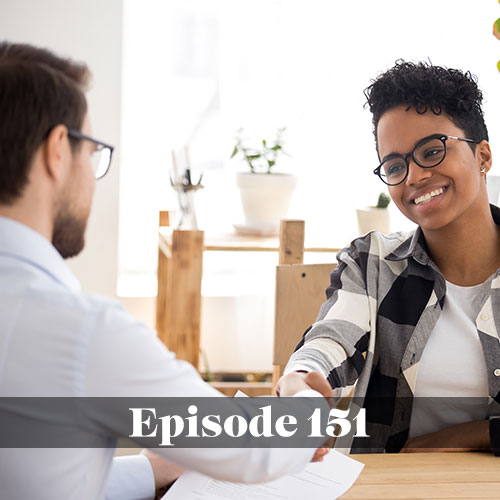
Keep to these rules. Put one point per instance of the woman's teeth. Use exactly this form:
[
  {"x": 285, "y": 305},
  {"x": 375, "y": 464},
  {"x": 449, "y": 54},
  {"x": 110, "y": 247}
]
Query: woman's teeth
[{"x": 428, "y": 196}]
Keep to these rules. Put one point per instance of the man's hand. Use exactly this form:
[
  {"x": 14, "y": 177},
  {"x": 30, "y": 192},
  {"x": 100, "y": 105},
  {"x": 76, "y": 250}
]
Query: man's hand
[
  {"x": 165, "y": 472},
  {"x": 470, "y": 436},
  {"x": 294, "y": 382}
]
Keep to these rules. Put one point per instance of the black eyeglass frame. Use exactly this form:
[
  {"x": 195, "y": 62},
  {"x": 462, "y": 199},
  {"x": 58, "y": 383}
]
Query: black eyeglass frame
[
  {"x": 75, "y": 134},
  {"x": 442, "y": 137}
]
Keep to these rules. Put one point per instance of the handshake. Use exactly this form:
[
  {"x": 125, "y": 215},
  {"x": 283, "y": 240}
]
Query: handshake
[{"x": 294, "y": 382}]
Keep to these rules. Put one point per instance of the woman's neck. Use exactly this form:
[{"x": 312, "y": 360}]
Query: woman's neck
[{"x": 467, "y": 253}]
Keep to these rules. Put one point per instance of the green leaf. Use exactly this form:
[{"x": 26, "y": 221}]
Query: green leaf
[
  {"x": 235, "y": 152},
  {"x": 264, "y": 142},
  {"x": 276, "y": 147},
  {"x": 254, "y": 157},
  {"x": 271, "y": 163}
]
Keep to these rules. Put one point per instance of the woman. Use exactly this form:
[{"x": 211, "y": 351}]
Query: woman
[{"x": 418, "y": 315}]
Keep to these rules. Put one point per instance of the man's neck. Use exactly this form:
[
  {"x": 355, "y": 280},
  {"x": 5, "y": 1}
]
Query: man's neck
[{"x": 29, "y": 215}]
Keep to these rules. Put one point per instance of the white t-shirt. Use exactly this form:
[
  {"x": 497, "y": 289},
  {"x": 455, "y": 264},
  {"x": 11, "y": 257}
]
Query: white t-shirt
[{"x": 460, "y": 374}]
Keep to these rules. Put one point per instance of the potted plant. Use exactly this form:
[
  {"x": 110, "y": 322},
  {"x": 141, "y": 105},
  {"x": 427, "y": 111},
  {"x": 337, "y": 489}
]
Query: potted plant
[
  {"x": 375, "y": 218},
  {"x": 265, "y": 194}
]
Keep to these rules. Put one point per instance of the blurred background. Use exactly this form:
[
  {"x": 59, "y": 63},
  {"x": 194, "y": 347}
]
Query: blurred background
[{"x": 174, "y": 73}]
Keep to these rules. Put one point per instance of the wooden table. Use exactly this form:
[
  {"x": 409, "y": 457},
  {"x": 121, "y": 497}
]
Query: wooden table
[{"x": 427, "y": 476}]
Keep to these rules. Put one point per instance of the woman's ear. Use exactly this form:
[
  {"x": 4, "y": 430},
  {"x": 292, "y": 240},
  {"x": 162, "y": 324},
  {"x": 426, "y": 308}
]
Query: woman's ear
[
  {"x": 57, "y": 152},
  {"x": 483, "y": 156}
]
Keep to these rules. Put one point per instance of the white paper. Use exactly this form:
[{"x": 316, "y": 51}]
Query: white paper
[{"x": 325, "y": 480}]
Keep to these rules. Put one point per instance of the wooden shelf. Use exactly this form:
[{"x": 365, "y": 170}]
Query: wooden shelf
[{"x": 231, "y": 242}]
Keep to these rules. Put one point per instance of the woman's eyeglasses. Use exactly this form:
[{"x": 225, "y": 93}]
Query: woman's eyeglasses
[{"x": 428, "y": 153}]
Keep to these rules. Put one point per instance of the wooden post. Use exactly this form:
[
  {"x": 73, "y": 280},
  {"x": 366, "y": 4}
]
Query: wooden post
[
  {"x": 162, "y": 299},
  {"x": 291, "y": 249},
  {"x": 164, "y": 255},
  {"x": 178, "y": 303},
  {"x": 184, "y": 295},
  {"x": 164, "y": 218}
]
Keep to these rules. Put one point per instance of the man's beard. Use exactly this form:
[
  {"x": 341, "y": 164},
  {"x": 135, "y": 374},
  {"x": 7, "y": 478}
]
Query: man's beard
[{"x": 69, "y": 234}]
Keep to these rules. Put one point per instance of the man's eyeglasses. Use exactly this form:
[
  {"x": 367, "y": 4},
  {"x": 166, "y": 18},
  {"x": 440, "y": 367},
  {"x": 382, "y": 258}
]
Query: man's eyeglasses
[
  {"x": 101, "y": 157},
  {"x": 428, "y": 153}
]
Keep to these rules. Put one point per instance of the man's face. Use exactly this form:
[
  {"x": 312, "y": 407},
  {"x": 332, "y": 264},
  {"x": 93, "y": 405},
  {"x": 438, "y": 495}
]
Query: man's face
[
  {"x": 76, "y": 199},
  {"x": 456, "y": 184}
]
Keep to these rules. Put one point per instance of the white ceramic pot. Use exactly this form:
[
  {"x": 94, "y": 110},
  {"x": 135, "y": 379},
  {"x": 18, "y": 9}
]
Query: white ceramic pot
[
  {"x": 493, "y": 188},
  {"x": 265, "y": 198},
  {"x": 373, "y": 219}
]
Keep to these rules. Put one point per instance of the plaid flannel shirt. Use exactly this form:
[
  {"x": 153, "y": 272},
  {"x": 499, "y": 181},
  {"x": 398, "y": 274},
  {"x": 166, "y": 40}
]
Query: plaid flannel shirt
[{"x": 384, "y": 300}]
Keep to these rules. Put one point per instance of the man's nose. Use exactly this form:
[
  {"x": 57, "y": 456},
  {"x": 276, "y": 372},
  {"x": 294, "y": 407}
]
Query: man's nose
[{"x": 416, "y": 173}]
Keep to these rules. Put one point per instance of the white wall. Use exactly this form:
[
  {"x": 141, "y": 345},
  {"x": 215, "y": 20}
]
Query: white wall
[{"x": 91, "y": 31}]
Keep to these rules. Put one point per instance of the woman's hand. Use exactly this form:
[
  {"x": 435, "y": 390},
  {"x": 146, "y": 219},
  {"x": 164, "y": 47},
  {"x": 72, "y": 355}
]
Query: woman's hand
[{"x": 470, "y": 436}]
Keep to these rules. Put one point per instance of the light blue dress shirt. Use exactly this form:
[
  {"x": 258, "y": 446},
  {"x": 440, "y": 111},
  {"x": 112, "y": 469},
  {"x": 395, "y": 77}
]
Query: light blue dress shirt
[{"x": 58, "y": 341}]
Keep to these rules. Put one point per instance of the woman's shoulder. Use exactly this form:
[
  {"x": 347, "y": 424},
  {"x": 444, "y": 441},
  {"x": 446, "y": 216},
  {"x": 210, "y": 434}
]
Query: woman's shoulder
[{"x": 377, "y": 244}]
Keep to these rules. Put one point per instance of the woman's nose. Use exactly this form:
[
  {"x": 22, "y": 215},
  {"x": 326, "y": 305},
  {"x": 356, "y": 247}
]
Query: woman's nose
[{"x": 416, "y": 173}]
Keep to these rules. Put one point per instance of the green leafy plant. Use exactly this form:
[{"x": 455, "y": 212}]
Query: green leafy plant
[
  {"x": 383, "y": 200},
  {"x": 263, "y": 158}
]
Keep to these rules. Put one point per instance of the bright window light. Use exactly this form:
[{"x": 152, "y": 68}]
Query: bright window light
[{"x": 195, "y": 71}]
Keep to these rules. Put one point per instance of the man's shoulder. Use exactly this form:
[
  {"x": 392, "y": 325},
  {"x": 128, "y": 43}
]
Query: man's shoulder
[{"x": 76, "y": 311}]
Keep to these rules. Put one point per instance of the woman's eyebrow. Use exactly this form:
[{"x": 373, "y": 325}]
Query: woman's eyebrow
[{"x": 395, "y": 154}]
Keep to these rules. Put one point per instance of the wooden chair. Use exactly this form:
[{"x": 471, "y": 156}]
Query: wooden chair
[{"x": 300, "y": 291}]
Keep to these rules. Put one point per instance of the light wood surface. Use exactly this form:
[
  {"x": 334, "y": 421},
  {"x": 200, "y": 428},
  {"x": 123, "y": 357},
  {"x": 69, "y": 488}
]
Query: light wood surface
[
  {"x": 178, "y": 309},
  {"x": 292, "y": 236},
  {"x": 429, "y": 476},
  {"x": 300, "y": 291}
]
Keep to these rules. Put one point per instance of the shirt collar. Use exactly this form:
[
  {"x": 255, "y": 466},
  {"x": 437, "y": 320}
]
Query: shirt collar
[
  {"x": 416, "y": 247},
  {"x": 20, "y": 242}
]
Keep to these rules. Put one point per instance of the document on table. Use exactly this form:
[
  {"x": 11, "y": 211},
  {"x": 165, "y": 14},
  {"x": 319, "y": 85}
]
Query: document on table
[{"x": 325, "y": 480}]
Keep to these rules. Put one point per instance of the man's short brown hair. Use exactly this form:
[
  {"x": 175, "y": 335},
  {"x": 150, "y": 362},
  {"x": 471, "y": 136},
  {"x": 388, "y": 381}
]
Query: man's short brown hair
[{"x": 38, "y": 90}]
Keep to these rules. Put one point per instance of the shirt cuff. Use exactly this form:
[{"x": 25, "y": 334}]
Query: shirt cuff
[{"x": 131, "y": 478}]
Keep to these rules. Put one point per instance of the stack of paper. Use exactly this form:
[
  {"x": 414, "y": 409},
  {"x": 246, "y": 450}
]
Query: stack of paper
[{"x": 325, "y": 480}]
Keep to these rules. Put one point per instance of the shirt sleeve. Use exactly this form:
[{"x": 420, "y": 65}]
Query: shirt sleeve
[
  {"x": 126, "y": 359},
  {"x": 131, "y": 478},
  {"x": 336, "y": 344}
]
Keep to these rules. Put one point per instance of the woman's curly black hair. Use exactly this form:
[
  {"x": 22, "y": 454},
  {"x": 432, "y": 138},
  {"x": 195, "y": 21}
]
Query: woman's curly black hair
[{"x": 426, "y": 87}]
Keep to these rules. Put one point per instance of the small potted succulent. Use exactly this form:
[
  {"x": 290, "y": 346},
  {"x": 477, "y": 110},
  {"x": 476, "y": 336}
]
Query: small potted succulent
[
  {"x": 265, "y": 194},
  {"x": 375, "y": 218}
]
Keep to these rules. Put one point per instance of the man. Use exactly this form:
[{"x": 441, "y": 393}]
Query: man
[
  {"x": 57, "y": 341},
  {"x": 412, "y": 320}
]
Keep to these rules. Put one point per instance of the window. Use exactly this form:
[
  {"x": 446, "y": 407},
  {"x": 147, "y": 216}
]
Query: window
[{"x": 194, "y": 71}]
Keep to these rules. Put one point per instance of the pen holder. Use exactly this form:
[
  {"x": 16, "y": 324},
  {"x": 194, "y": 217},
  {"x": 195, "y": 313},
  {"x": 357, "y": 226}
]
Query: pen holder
[{"x": 187, "y": 210}]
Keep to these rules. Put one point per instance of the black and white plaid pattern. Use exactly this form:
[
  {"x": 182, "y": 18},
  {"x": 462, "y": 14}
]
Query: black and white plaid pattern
[{"x": 384, "y": 300}]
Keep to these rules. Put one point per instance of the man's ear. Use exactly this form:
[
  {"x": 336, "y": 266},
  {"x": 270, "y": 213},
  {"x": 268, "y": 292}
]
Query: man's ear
[
  {"x": 483, "y": 155},
  {"x": 57, "y": 152}
]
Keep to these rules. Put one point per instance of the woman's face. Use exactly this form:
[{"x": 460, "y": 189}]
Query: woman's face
[{"x": 456, "y": 186}]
